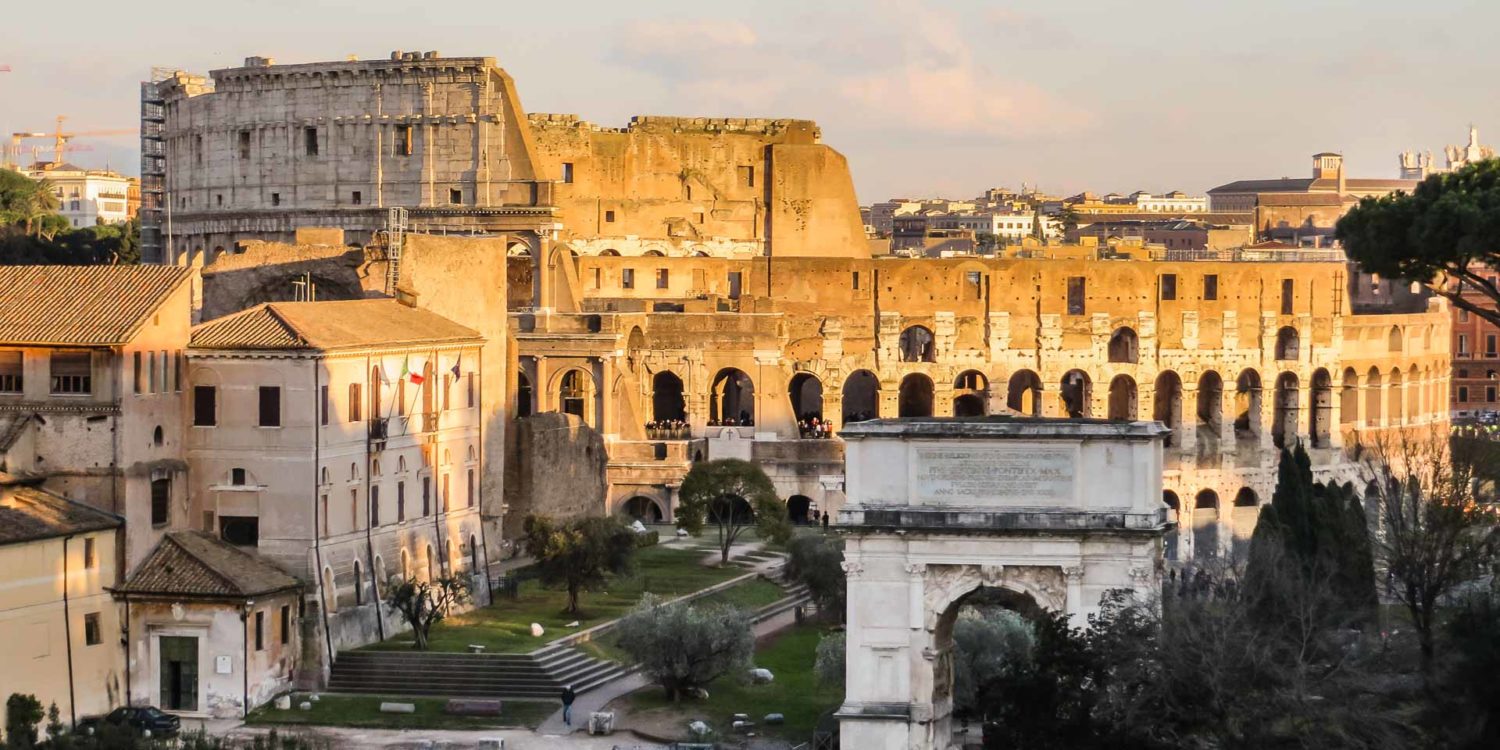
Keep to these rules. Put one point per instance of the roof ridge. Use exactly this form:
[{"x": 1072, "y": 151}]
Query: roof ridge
[
  {"x": 287, "y": 324},
  {"x": 183, "y": 275}
]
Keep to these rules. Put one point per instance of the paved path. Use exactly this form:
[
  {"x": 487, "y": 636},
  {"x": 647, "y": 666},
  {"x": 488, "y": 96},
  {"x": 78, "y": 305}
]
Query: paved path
[
  {"x": 600, "y": 697},
  {"x": 420, "y": 739}
]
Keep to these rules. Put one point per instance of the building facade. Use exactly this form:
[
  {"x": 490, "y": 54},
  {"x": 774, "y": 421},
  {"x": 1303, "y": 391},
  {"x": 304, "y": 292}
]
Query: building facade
[
  {"x": 88, "y": 197},
  {"x": 1476, "y": 356}
]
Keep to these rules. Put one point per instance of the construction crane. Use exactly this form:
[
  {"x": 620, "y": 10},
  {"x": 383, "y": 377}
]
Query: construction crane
[{"x": 61, "y": 141}]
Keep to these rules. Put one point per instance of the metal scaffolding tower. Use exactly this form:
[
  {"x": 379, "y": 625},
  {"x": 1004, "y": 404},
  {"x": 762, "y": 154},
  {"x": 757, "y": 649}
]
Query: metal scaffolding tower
[{"x": 156, "y": 222}]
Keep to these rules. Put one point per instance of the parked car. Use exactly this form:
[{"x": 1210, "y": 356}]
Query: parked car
[{"x": 139, "y": 719}]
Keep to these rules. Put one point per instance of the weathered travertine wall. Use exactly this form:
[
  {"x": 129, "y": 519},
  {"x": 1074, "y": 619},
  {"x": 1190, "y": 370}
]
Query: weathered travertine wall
[
  {"x": 555, "y": 468},
  {"x": 685, "y": 186}
]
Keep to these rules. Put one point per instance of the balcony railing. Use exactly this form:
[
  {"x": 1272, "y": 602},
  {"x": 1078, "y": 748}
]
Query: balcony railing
[{"x": 379, "y": 429}]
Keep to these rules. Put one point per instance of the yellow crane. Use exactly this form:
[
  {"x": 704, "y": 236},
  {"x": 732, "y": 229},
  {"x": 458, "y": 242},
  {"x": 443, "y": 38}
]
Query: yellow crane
[{"x": 60, "y": 142}]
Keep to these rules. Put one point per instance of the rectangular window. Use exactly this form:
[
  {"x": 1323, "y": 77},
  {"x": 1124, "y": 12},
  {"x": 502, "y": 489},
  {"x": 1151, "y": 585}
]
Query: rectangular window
[
  {"x": 260, "y": 630},
  {"x": 400, "y": 502},
  {"x": 1463, "y": 344},
  {"x": 150, "y": 372},
  {"x": 609, "y": 216},
  {"x": 426, "y": 495},
  {"x": 662, "y": 278},
  {"x": 177, "y": 372},
  {"x": 270, "y": 406},
  {"x": 747, "y": 176},
  {"x": 244, "y": 144},
  {"x": 1076, "y": 286},
  {"x": 1489, "y": 345},
  {"x": 1463, "y": 316},
  {"x": 205, "y": 405},
  {"x": 165, "y": 371},
  {"x": 567, "y": 172},
  {"x": 12, "y": 372},
  {"x": 198, "y": 150},
  {"x": 469, "y": 386},
  {"x": 323, "y": 404},
  {"x": 627, "y": 278},
  {"x": 286, "y": 623},
  {"x": 455, "y": 195},
  {"x": 1168, "y": 286},
  {"x": 90, "y": 559},
  {"x": 1286, "y": 296},
  {"x": 354, "y": 509},
  {"x": 275, "y": 199},
  {"x": 1489, "y": 393},
  {"x": 402, "y": 144},
  {"x": 357, "y": 198},
  {"x": 161, "y": 496},
  {"x": 72, "y": 373},
  {"x": 734, "y": 284},
  {"x": 91, "y": 634},
  {"x": 1463, "y": 394},
  {"x": 219, "y": 200},
  {"x": 856, "y": 279},
  {"x": 354, "y": 401},
  {"x": 375, "y": 506},
  {"x": 139, "y": 386},
  {"x": 1211, "y": 286},
  {"x": 310, "y": 141},
  {"x": 471, "y": 488}
]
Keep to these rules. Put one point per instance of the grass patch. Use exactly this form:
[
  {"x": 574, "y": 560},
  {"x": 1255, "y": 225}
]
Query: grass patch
[
  {"x": 505, "y": 627},
  {"x": 363, "y": 711},
  {"x": 795, "y": 693},
  {"x": 752, "y": 594}
]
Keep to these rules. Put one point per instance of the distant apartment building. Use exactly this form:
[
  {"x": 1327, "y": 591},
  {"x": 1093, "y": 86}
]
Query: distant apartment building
[
  {"x": 1007, "y": 226},
  {"x": 1476, "y": 356},
  {"x": 88, "y": 197},
  {"x": 882, "y": 215},
  {"x": 1174, "y": 202},
  {"x": 1172, "y": 235},
  {"x": 1301, "y": 210}
]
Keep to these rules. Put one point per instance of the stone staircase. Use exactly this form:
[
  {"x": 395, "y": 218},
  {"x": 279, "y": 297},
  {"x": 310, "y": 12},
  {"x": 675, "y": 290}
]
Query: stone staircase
[{"x": 540, "y": 674}]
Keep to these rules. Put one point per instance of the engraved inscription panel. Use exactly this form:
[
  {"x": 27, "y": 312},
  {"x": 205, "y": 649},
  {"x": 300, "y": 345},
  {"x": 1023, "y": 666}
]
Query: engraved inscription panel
[{"x": 994, "y": 475}]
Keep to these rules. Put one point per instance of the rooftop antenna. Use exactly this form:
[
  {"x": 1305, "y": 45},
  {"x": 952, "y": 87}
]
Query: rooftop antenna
[{"x": 304, "y": 290}]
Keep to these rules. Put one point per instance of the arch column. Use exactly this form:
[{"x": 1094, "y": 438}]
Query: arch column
[
  {"x": 942, "y": 399},
  {"x": 1187, "y": 441},
  {"x": 833, "y": 408}
]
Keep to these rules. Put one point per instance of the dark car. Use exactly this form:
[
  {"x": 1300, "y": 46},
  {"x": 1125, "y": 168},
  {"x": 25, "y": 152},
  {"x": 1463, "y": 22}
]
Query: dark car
[{"x": 138, "y": 719}]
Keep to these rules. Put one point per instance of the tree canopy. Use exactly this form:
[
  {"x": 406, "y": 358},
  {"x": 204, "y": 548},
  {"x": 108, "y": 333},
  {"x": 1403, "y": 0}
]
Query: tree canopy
[
  {"x": 713, "y": 492},
  {"x": 1438, "y": 234},
  {"x": 579, "y": 555},
  {"x": 682, "y": 646}
]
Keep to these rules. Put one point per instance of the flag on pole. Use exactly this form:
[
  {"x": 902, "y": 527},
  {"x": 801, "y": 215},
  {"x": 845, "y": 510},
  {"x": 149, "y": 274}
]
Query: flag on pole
[
  {"x": 406, "y": 372},
  {"x": 456, "y": 363}
]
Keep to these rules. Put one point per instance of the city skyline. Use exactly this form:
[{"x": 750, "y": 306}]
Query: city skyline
[{"x": 924, "y": 99}]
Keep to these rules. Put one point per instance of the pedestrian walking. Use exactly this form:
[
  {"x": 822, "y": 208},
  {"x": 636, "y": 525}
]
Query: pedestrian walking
[{"x": 567, "y": 699}]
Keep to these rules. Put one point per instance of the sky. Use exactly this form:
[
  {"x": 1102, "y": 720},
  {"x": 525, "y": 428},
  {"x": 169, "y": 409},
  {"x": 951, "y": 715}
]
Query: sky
[{"x": 925, "y": 98}]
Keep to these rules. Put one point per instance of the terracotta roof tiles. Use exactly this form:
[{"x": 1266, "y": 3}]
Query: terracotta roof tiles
[
  {"x": 28, "y": 514},
  {"x": 323, "y": 326},
  {"x": 192, "y": 563},
  {"x": 81, "y": 305}
]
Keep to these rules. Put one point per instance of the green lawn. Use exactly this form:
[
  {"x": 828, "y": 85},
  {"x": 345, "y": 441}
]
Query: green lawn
[
  {"x": 795, "y": 693},
  {"x": 752, "y": 594},
  {"x": 364, "y": 711},
  {"x": 505, "y": 627}
]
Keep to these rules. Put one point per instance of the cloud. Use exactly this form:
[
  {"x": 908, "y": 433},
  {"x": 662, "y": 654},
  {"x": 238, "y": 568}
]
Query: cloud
[{"x": 907, "y": 69}]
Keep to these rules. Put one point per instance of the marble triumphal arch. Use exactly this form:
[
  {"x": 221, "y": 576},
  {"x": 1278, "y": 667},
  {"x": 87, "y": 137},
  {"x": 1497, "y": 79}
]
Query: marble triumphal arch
[{"x": 1054, "y": 513}]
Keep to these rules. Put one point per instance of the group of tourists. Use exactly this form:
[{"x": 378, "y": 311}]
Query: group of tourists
[
  {"x": 814, "y": 428},
  {"x": 668, "y": 429}
]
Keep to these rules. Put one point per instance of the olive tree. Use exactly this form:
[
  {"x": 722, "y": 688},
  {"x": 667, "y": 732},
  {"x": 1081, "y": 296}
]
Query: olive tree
[
  {"x": 423, "y": 604},
  {"x": 682, "y": 646},
  {"x": 711, "y": 494},
  {"x": 579, "y": 555}
]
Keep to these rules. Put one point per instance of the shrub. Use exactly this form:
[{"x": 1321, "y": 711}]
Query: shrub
[{"x": 682, "y": 646}]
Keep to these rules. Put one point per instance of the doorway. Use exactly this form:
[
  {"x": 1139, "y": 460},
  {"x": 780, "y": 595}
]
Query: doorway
[{"x": 179, "y": 672}]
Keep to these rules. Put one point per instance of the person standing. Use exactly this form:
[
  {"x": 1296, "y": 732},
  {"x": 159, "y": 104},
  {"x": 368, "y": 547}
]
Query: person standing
[{"x": 567, "y": 700}]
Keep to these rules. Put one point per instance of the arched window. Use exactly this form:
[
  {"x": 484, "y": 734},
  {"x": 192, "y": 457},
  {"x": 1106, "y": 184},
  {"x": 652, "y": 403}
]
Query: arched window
[
  {"x": 1349, "y": 397},
  {"x": 157, "y": 436},
  {"x": 375, "y": 467},
  {"x": 1374, "y": 403},
  {"x": 1206, "y": 525},
  {"x": 799, "y": 508},
  {"x": 861, "y": 393},
  {"x": 610, "y": 253},
  {"x": 1077, "y": 394},
  {"x": 572, "y": 394},
  {"x": 806, "y": 393},
  {"x": 1247, "y": 407},
  {"x": 1122, "y": 398},
  {"x": 667, "y": 402},
  {"x": 524, "y": 406},
  {"x": 325, "y": 476},
  {"x": 1210, "y": 406},
  {"x": 237, "y": 477},
  {"x": 1288, "y": 411},
  {"x": 1023, "y": 394},
  {"x": 401, "y": 464},
  {"x": 1397, "y": 399},
  {"x": 1124, "y": 346},
  {"x": 1287, "y": 344},
  {"x": 354, "y": 402},
  {"x": 915, "y": 398},
  {"x": 643, "y": 509},
  {"x": 732, "y": 400},
  {"x": 353, "y": 471},
  {"x": 918, "y": 345},
  {"x": 1394, "y": 340},
  {"x": 971, "y": 394},
  {"x": 1166, "y": 405}
]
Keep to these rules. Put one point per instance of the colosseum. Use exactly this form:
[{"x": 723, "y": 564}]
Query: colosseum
[{"x": 694, "y": 288}]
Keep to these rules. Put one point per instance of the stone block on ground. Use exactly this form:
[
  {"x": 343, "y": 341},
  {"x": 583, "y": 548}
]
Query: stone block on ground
[
  {"x": 491, "y": 743},
  {"x": 305, "y": 706},
  {"x": 473, "y": 707},
  {"x": 476, "y": 648},
  {"x": 774, "y": 719},
  {"x": 743, "y": 726},
  {"x": 761, "y": 676},
  {"x": 536, "y": 630},
  {"x": 698, "y": 728},
  {"x": 392, "y": 707},
  {"x": 284, "y": 702},
  {"x": 602, "y": 722}
]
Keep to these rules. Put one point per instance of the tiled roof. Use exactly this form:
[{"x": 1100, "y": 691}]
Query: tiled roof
[
  {"x": 28, "y": 514},
  {"x": 324, "y": 326},
  {"x": 81, "y": 305},
  {"x": 192, "y": 563},
  {"x": 1283, "y": 185}
]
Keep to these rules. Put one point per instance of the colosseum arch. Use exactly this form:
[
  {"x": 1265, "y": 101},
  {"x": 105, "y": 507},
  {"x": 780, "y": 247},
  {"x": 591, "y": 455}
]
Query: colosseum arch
[
  {"x": 1206, "y": 525},
  {"x": 1415, "y": 383},
  {"x": 1077, "y": 394},
  {"x": 575, "y": 394},
  {"x": 799, "y": 509},
  {"x": 1247, "y": 406},
  {"x": 1320, "y": 428},
  {"x": 1396, "y": 398},
  {"x": 643, "y": 508},
  {"x": 1210, "y": 406},
  {"x": 1122, "y": 398},
  {"x": 1243, "y": 518},
  {"x": 1349, "y": 397},
  {"x": 732, "y": 397},
  {"x": 667, "y": 402},
  {"x": 1167, "y": 405},
  {"x": 806, "y": 393},
  {"x": 917, "y": 344},
  {"x": 1023, "y": 394},
  {"x": 1288, "y": 343},
  {"x": 1287, "y": 412},
  {"x": 1124, "y": 346},
  {"x": 861, "y": 396},
  {"x": 971, "y": 394},
  {"x": 1174, "y": 514},
  {"x": 915, "y": 398},
  {"x": 1373, "y": 397},
  {"x": 1395, "y": 342}
]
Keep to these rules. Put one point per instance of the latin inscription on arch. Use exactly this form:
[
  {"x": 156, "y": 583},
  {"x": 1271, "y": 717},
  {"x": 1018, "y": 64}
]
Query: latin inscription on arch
[{"x": 994, "y": 475}]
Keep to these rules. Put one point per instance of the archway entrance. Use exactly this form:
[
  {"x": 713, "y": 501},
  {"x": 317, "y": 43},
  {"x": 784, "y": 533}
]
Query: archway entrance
[
  {"x": 970, "y": 394},
  {"x": 573, "y": 394},
  {"x": 1122, "y": 398},
  {"x": 666, "y": 398},
  {"x": 916, "y": 396},
  {"x": 1024, "y": 394},
  {"x": 733, "y": 398},
  {"x": 799, "y": 509},
  {"x": 806, "y": 392},
  {"x": 643, "y": 509},
  {"x": 861, "y": 396},
  {"x": 1077, "y": 393}
]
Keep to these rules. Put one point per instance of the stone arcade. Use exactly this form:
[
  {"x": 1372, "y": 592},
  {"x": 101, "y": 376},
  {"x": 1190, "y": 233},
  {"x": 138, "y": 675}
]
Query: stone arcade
[{"x": 1056, "y": 511}]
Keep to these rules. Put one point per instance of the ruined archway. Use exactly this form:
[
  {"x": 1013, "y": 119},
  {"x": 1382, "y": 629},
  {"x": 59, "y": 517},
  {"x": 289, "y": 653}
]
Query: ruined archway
[
  {"x": 799, "y": 509},
  {"x": 1124, "y": 346},
  {"x": 1247, "y": 420},
  {"x": 917, "y": 344},
  {"x": 643, "y": 509},
  {"x": 861, "y": 396},
  {"x": 1122, "y": 398},
  {"x": 971, "y": 394},
  {"x": 1286, "y": 419},
  {"x": 1077, "y": 394},
  {"x": 1320, "y": 431},
  {"x": 1288, "y": 344},
  {"x": 1210, "y": 410},
  {"x": 915, "y": 397},
  {"x": 1166, "y": 405},
  {"x": 1206, "y": 525},
  {"x": 806, "y": 393},
  {"x": 732, "y": 400},
  {"x": 1023, "y": 395},
  {"x": 667, "y": 403},
  {"x": 574, "y": 392}
]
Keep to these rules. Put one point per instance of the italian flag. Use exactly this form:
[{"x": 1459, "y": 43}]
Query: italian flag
[{"x": 416, "y": 378}]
